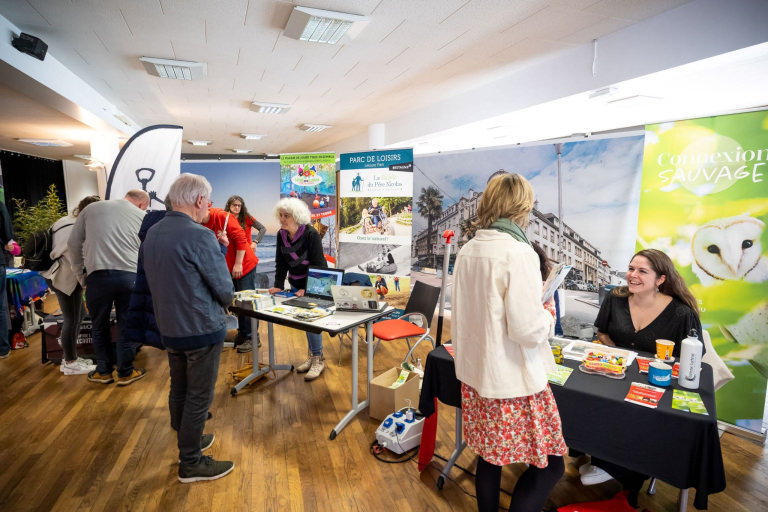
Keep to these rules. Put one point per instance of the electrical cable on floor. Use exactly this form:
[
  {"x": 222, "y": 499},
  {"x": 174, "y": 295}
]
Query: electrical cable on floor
[{"x": 377, "y": 449}]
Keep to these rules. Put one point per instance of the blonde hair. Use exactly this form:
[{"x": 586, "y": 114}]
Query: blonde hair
[{"x": 508, "y": 196}]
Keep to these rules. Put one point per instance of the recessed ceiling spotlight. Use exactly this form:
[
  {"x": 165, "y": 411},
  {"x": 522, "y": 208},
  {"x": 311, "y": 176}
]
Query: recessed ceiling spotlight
[
  {"x": 56, "y": 143},
  {"x": 319, "y": 25},
  {"x": 270, "y": 108},
  {"x": 252, "y": 136},
  {"x": 241, "y": 151},
  {"x": 175, "y": 69},
  {"x": 315, "y": 127},
  {"x": 200, "y": 142}
]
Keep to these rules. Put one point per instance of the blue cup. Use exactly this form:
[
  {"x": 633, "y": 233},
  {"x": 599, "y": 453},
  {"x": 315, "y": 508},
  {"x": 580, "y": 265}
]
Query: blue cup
[{"x": 659, "y": 374}]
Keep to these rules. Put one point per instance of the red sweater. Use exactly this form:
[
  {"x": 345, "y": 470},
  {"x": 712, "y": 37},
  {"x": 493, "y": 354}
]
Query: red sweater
[{"x": 236, "y": 235}]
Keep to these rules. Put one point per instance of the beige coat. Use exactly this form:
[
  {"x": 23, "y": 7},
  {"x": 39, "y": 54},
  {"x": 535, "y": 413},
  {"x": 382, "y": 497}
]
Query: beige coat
[{"x": 500, "y": 329}]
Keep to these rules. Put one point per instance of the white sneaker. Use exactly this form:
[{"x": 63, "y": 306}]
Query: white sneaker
[
  {"x": 593, "y": 475},
  {"x": 76, "y": 367}
]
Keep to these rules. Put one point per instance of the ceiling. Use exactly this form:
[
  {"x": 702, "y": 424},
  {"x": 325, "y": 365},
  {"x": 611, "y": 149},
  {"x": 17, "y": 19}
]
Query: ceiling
[
  {"x": 440, "y": 75},
  {"x": 411, "y": 54}
]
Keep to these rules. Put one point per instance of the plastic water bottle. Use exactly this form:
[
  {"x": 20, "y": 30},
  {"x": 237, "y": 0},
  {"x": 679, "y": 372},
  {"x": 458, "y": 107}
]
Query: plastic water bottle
[{"x": 690, "y": 361}]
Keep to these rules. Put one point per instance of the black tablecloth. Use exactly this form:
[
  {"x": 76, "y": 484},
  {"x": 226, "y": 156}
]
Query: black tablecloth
[{"x": 677, "y": 447}]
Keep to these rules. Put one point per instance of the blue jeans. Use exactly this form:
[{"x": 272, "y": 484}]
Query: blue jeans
[
  {"x": 314, "y": 340},
  {"x": 72, "y": 309},
  {"x": 193, "y": 379},
  {"x": 102, "y": 289},
  {"x": 246, "y": 282},
  {"x": 5, "y": 344}
]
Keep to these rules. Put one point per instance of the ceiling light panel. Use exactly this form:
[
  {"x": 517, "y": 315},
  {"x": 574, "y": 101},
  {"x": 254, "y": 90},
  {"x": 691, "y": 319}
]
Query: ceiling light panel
[
  {"x": 241, "y": 151},
  {"x": 319, "y": 25},
  {"x": 252, "y": 136},
  {"x": 54, "y": 143},
  {"x": 270, "y": 108},
  {"x": 315, "y": 127},
  {"x": 200, "y": 142},
  {"x": 174, "y": 69}
]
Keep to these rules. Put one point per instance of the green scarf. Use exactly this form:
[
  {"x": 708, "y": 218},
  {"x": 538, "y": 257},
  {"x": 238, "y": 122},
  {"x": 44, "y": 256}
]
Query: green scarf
[{"x": 511, "y": 228}]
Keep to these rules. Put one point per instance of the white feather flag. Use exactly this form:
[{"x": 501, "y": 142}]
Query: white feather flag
[{"x": 149, "y": 161}]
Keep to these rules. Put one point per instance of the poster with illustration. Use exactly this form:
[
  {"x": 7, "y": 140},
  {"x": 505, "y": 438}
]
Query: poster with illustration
[
  {"x": 311, "y": 177},
  {"x": 375, "y": 212},
  {"x": 704, "y": 202}
]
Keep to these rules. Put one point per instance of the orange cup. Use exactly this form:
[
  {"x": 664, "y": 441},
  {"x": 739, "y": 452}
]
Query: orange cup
[{"x": 664, "y": 349}]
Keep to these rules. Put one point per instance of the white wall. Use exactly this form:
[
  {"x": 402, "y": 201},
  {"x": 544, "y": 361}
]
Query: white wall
[{"x": 79, "y": 182}]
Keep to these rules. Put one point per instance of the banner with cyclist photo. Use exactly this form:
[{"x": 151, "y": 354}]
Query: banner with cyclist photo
[
  {"x": 375, "y": 211},
  {"x": 311, "y": 177}
]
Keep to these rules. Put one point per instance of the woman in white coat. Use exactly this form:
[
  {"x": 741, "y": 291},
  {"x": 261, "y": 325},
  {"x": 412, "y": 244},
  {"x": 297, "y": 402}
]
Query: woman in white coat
[
  {"x": 500, "y": 332},
  {"x": 68, "y": 291}
]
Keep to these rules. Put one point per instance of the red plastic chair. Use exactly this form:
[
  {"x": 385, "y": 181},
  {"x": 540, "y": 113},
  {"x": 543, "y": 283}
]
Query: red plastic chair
[{"x": 420, "y": 305}]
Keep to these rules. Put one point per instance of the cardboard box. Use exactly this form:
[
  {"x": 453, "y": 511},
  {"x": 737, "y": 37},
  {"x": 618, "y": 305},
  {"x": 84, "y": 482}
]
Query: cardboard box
[{"x": 385, "y": 400}]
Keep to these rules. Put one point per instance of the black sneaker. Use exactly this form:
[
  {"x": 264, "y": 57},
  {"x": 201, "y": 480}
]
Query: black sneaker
[
  {"x": 206, "y": 469},
  {"x": 206, "y": 441},
  {"x": 245, "y": 347},
  {"x": 240, "y": 339}
]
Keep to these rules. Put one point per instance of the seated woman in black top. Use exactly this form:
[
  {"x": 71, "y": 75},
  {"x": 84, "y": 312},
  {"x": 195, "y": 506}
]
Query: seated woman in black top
[{"x": 655, "y": 304}]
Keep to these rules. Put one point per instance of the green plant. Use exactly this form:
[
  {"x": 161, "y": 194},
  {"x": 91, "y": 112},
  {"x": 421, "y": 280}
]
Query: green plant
[{"x": 29, "y": 219}]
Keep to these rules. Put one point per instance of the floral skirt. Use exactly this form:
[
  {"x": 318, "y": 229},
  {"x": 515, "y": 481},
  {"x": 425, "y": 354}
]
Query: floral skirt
[{"x": 512, "y": 430}]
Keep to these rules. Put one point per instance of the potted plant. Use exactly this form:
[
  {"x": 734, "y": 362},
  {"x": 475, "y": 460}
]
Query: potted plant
[{"x": 30, "y": 219}]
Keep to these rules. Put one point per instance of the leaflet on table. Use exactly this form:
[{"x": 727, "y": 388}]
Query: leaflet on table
[
  {"x": 643, "y": 362},
  {"x": 644, "y": 394},
  {"x": 688, "y": 401},
  {"x": 560, "y": 375},
  {"x": 554, "y": 280},
  {"x": 577, "y": 350},
  {"x": 303, "y": 314}
]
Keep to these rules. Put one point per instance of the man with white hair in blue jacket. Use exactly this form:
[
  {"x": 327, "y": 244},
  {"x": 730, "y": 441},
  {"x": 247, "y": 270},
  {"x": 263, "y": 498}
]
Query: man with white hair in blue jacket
[{"x": 191, "y": 287}]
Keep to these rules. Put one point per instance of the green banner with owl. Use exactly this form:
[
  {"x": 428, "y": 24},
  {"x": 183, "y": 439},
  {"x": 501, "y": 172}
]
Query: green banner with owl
[{"x": 704, "y": 201}]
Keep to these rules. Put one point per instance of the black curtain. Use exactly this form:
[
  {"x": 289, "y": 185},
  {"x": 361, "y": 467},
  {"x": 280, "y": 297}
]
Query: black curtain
[{"x": 28, "y": 177}]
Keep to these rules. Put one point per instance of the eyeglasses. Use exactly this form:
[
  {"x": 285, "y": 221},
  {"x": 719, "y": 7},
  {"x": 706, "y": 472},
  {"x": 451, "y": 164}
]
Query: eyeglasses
[{"x": 236, "y": 205}]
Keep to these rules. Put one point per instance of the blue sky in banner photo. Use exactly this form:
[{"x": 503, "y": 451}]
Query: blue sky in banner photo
[
  {"x": 257, "y": 182},
  {"x": 601, "y": 185}
]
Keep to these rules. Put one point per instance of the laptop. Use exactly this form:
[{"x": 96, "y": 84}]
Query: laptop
[
  {"x": 318, "y": 291},
  {"x": 356, "y": 298}
]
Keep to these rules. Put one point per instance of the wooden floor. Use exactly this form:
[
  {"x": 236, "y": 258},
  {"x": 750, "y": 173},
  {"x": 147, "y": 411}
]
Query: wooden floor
[{"x": 67, "y": 444}]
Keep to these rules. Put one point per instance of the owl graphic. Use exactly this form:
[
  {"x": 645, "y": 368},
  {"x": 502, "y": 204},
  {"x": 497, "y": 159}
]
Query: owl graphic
[{"x": 729, "y": 249}]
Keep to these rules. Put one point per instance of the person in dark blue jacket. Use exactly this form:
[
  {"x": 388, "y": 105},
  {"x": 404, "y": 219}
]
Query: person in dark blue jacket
[
  {"x": 191, "y": 288},
  {"x": 141, "y": 327}
]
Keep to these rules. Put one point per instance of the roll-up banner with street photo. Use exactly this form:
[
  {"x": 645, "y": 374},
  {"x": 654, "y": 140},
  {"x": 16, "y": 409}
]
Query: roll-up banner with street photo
[
  {"x": 311, "y": 177},
  {"x": 704, "y": 202},
  {"x": 594, "y": 231},
  {"x": 375, "y": 213}
]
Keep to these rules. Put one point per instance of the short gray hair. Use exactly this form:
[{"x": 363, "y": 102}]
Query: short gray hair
[
  {"x": 297, "y": 208},
  {"x": 187, "y": 188}
]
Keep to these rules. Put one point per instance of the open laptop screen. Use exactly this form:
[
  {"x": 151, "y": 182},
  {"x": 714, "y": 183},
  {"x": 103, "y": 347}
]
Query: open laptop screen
[{"x": 321, "y": 279}]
